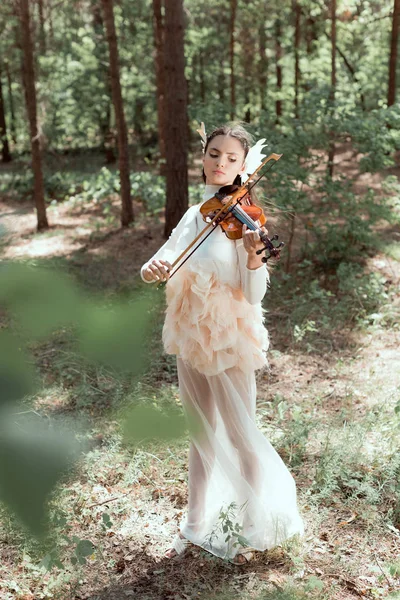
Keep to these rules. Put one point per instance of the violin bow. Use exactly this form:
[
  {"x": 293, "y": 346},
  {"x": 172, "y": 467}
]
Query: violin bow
[{"x": 234, "y": 198}]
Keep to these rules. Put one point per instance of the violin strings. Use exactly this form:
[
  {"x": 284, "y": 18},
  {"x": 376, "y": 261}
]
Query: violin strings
[{"x": 249, "y": 221}]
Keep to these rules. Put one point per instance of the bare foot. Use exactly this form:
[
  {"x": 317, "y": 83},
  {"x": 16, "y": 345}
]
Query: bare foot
[
  {"x": 243, "y": 557},
  {"x": 171, "y": 552}
]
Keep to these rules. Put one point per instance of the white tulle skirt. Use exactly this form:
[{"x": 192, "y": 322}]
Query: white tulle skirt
[{"x": 240, "y": 491}]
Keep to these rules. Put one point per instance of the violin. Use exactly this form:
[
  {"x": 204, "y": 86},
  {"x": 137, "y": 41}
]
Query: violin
[
  {"x": 215, "y": 212},
  {"x": 232, "y": 219}
]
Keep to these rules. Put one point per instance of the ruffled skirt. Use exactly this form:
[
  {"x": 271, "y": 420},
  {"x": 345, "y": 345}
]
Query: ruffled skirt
[
  {"x": 240, "y": 491},
  {"x": 212, "y": 326}
]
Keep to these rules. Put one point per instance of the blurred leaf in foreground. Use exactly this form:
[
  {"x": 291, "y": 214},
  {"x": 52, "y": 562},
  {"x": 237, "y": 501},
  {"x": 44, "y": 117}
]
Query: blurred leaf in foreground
[
  {"x": 117, "y": 336},
  {"x": 16, "y": 373},
  {"x": 32, "y": 462},
  {"x": 40, "y": 299},
  {"x": 145, "y": 422}
]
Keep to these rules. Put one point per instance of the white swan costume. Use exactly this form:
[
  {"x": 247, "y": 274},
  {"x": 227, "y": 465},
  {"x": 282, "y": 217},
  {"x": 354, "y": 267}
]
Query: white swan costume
[{"x": 238, "y": 484}]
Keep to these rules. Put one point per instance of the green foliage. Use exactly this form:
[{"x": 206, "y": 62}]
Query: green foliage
[
  {"x": 346, "y": 467},
  {"x": 376, "y": 135},
  {"x": 319, "y": 303},
  {"x": 229, "y": 525},
  {"x": 294, "y": 431},
  {"x": 33, "y": 460},
  {"x": 150, "y": 190},
  {"x": 17, "y": 378},
  {"x": 39, "y": 300},
  {"x": 148, "y": 422}
]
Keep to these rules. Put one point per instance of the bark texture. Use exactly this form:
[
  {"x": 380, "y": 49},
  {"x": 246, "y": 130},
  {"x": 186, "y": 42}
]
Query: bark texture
[
  {"x": 122, "y": 133},
  {"x": 393, "y": 53},
  {"x": 232, "y": 56},
  {"x": 158, "y": 25},
  {"x": 5, "y": 149},
  {"x": 176, "y": 143},
  {"x": 278, "y": 56},
  {"x": 263, "y": 64},
  {"x": 297, "y": 13},
  {"x": 28, "y": 76},
  {"x": 331, "y": 154}
]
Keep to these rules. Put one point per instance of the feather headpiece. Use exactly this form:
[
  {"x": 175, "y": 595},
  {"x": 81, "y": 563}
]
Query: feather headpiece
[{"x": 254, "y": 156}]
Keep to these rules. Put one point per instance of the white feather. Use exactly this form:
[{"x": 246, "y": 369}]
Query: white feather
[
  {"x": 202, "y": 132},
  {"x": 254, "y": 159}
]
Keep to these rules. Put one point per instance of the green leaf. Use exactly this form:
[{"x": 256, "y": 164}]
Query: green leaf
[
  {"x": 40, "y": 300},
  {"x": 145, "y": 422},
  {"x": 17, "y": 378},
  {"x": 32, "y": 462},
  {"x": 84, "y": 548},
  {"x": 106, "y": 520},
  {"x": 115, "y": 336}
]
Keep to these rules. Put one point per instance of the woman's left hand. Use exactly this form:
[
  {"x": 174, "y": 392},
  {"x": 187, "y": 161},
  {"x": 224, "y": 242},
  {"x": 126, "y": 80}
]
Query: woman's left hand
[{"x": 251, "y": 239}]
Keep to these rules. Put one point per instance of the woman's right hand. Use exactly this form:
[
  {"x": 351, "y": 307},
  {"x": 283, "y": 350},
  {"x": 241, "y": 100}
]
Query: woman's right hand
[{"x": 158, "y": 270}]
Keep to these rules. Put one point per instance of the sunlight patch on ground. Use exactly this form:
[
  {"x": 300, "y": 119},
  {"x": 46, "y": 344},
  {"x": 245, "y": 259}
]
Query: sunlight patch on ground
[{"x": 44, "y": 247}]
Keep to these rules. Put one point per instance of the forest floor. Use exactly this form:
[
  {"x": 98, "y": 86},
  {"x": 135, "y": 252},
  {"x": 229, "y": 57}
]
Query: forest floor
[{"x": 329, "y": 403}]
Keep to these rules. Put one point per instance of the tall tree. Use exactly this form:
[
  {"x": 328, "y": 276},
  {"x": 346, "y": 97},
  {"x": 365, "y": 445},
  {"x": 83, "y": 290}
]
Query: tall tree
[
  {"x": 393, "y": 53},
  {"x": 278, "y": 56},
  {"x": 232, "y": 56},
  {"x": 263, "y": 60},
  {"x": 42, "y": 34},
  {"x": 248, "y": 54},
  {"x": 297, "y": 13},
  {"x": 331, "y": 153},
  {"x": 104, "y": 108},
  {"x": 6, "y": 155},
  {"x": 122, "y": 133},
  {"x": 28, "y": 76},
  {"x": 176, "y": 142},
  {"x": 159, "y": 62},
  {"x": 11, "y": 104}
]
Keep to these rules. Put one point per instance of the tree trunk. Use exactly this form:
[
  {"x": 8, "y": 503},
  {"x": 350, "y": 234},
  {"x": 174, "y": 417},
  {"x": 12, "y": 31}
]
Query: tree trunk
[
  {"x": 232, "y": 56},
  {"x": 248, "y": 50},
  {"x": 297, "y": 12},
  {"x": 311, "y": 34},
  {"x": 42, "y": 34},
  {"x": 6, "y": 156},
  {"x": 263, "y": 63},
  {"x": 100, "y": 52},
  {"x": 393, "y": 54},
  {"x": 158, "y": 26},
  {"x": 221, "y": 83},
  {"x": 28, "y": 76},
  {"x": 351, "y": 71},
  {"x": 331, "y": 153},
  {"x": 122, "y": 133},
  {"x": 11, "y": 104},
  {"x": 202, "y": 79},
  {"x": 278, "y": 55},
  {"x": 176, "y": 115}
]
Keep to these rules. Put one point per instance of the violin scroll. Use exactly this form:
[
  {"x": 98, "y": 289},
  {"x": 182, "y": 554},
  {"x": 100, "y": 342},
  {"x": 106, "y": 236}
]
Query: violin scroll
[{"x": 274, "y": 251}]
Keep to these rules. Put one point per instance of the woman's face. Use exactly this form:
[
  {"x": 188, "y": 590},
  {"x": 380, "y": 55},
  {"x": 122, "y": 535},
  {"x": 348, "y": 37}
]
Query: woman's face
[{"x": 223, "y": 160}]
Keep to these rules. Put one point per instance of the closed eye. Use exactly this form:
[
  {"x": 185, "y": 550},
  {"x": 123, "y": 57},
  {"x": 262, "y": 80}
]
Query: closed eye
[{"x": 216, "y": 156}]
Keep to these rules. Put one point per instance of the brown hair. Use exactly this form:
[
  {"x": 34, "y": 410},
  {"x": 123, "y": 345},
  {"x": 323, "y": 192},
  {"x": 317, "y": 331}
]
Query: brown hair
[{"x": 236, "y": 130}]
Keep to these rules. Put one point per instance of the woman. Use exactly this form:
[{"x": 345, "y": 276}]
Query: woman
[{"x": 241, "y": 494}]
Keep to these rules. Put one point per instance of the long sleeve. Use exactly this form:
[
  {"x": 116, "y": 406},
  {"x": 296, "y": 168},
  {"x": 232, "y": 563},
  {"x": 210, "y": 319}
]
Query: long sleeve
[
  {"x": 180, "y": 237},
  {"x": 254, "y": 282}
]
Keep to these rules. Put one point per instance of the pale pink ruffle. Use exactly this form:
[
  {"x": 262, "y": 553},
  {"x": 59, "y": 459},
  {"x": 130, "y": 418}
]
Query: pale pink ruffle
[{"x": 211, "y": 325}]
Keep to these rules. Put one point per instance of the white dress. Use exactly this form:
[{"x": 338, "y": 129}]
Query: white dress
[{"x": 240, "y": 490}]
